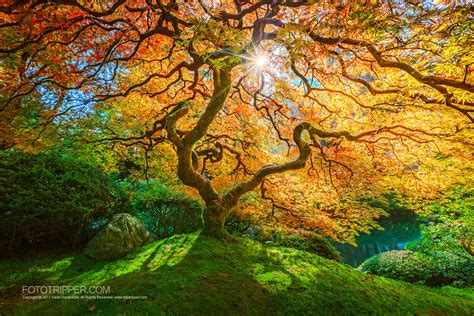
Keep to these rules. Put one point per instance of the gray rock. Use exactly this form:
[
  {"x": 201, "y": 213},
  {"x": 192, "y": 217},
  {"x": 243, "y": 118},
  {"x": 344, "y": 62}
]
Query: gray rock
[{"x": 122, "y": 235}]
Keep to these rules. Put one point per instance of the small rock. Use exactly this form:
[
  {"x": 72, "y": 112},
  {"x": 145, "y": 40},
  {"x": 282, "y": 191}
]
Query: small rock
[{"x": 91, "y": 308}]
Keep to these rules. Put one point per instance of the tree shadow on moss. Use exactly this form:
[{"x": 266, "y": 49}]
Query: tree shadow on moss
[
  {"x": 183, "y": 275},
  {"x": 210, "y": 278},
  {"x": 189, "y": 274},
  {"x": 195, "y": 275}
]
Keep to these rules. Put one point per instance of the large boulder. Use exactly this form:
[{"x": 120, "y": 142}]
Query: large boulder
[{"x": 122, "y": 235}]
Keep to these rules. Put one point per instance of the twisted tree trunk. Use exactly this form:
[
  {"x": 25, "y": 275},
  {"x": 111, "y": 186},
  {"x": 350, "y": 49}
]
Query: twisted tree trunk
[
  {"x": 218, "y": 205},
  {"x": 214, "y": 219}
]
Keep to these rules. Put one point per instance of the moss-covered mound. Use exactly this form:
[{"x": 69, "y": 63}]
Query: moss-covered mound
[{"x": 191, "y": 274}]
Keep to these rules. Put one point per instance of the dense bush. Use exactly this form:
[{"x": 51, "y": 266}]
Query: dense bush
[
  {"x": 309, "y": 242},
  {"x": 450, "y": 248},
  {"x": 403, "y": 265},
  {"x": 237, "y": 226},
  {"x": 53, "y": 199},
  {"x": 440, "y": 269},
  {"x": 452, "y": 269},
  {"x": 164, "y": 211},
  {"x": 454, "y": 237}
]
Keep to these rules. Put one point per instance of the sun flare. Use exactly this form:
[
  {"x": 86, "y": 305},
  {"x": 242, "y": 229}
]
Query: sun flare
[
  {"x": 258, "y": 61},
  {"x": 261, "y": 61}
]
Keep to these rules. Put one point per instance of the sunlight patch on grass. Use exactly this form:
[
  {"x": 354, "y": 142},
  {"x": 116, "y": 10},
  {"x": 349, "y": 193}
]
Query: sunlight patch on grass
[
  {"x": 81, "y": 270},
  {"x": 274, "y": 281},
  {"x": 167, "y": 252}
]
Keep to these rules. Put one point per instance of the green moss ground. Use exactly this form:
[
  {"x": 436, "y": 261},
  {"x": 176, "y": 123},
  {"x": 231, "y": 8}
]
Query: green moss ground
[{"x": 191, "y": 274}]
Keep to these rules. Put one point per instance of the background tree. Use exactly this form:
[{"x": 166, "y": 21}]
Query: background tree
[{"x": 244, "y": 91}]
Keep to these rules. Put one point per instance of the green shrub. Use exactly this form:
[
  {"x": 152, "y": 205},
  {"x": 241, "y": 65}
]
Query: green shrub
[
  {"x": 450, "y": 248},
  {"x": 164, "y": 211},
  {"x": 453, "y": 269},
  {"x": 309, "y": 242},
  {"x": 53, "y": 199},
  {"x": 403, "y": 265},
  {"x": 454, "y": 237},
  {"x": 237, "y": 226},
  {"x": 441, "y": 268}
]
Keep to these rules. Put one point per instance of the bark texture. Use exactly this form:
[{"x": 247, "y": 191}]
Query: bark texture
[{"x": 214, "y": 220}]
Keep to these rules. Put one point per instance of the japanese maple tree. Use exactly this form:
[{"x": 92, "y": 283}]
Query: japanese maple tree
[{"x": 245, "y": 91}]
